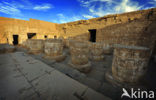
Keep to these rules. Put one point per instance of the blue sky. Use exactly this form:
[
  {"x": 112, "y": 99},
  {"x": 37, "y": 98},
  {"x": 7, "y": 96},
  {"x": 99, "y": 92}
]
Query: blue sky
[{"x": 62, "y": 11}]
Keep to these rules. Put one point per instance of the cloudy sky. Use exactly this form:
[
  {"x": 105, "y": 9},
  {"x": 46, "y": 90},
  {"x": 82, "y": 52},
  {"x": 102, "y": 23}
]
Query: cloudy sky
[{"x": 61, "y": 11}]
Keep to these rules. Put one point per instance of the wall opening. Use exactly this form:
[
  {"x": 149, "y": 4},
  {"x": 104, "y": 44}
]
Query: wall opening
[
  {"x": 15, "y": 39},
  {"x": 55, "y": 37},
  {"x": 92, "y": 35},
  {"x": 45, "y": 36},
  {"x": 31, "y": 35},
  {"x": 7, "y": 40}
]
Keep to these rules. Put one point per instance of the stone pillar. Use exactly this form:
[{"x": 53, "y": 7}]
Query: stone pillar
[
  {"x": 67, "y": 42},
  {"x": 54, "y": 49},
  {"x": 35, "y": 45},
  {"x": 79, "y": 51},
  {"x": 96, "y": 51},
  {"x": 130, "y": 63}
]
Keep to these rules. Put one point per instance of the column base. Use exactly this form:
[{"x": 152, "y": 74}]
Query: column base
[
  {"x": 34, "y": 52},
  {"x": 82, "y": 68},
  {"x": 97, "y": 58},
  {"x": 57, "y": 58},
  {"x": 114, "y": 82}
]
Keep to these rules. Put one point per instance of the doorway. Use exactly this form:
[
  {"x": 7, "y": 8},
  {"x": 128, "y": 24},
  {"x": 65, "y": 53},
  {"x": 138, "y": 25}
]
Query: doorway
[
  {"x": 92, "y": 35},
  {"x": 45, "y": 36},
  {"x": 15, "y": 39},
  {"x": 55, "y": 37},
  {"x": 31, "y": 35}
]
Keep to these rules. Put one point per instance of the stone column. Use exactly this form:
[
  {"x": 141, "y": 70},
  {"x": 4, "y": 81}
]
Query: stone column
[
  {"x": 54, "y": 49},
  {"x": 96, "y": 51},
  {"x": 67, "y": 42},
  {"x": 130, "y": 63},
  {"x": 79, "y": 51},
  {"x": 35, "y": 45}
]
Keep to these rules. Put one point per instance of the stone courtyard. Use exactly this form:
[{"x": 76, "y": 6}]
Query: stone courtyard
[
  {"x": 84, "y": 60},
  {"x": 23, "y": 77}
]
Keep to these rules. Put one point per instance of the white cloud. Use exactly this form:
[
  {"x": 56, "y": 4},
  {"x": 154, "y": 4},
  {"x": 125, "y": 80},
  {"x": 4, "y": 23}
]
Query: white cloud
[
  {"x": 43, "y": 7},
  {"x": 24, "y": 4},
  {"x": 76, "y": 18},
  {"x": 89, "y": 2},
  {"x": 88, "y": 16},
  {"x": 127, "y": 6},
  {"x": 14, "y": 8},
  {"x": 97, "y": 11},
  {"x": 7, "y": 8},
  {"x": 60, "y": 15},
  {"x": 64, "y": 19},
  {"x": 153, "y": 2},
  {"x": 99, "y": 8}
]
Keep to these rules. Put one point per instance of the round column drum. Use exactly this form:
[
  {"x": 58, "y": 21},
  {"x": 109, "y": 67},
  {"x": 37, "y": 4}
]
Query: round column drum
[
  {"x": 35, "y": 45},
  {"x": 80, "y": 55},
  {"x": 96, "y": 51},
  {"x": 130, "y": 63},
  {"x": 54, "y": 49}
]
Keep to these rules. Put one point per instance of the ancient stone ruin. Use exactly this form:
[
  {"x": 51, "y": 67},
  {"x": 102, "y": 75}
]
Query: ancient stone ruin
[
  {"x": 79, "y": 55},
  {"x": 103, "y": 53},
  {"x": 130, "y": 63},
  {"x": 53, "y": 49}
]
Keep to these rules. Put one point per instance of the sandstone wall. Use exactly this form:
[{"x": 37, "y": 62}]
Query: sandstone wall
[
  {"x": 12, "y": 27},
  {"x": 138, "y": 33},
  {"x": 79, "y": 29},
  {"x": 3, "y": 37},
  {"x": 133, "y": 28},
  {"x": 123, "y": 28}
]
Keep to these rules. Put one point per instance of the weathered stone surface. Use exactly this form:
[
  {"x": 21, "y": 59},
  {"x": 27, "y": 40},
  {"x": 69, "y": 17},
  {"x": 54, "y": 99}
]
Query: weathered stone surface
[
  {"x": 35, "y": 45},
  {"x": 54, "y": 49},
  {"x": 124, "y": 28},
  {"x": 96, "y": 51},
  {"x": 45, "y": 84},
  {"x": 82, "y": 68},
  {"x": 10, "y": 27},
  {"x": 130, "y": 63},
  {"x": 118, "y": 28},
  {"x": 6, "y": 48},
  {"x": 79, "y": 51}
]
